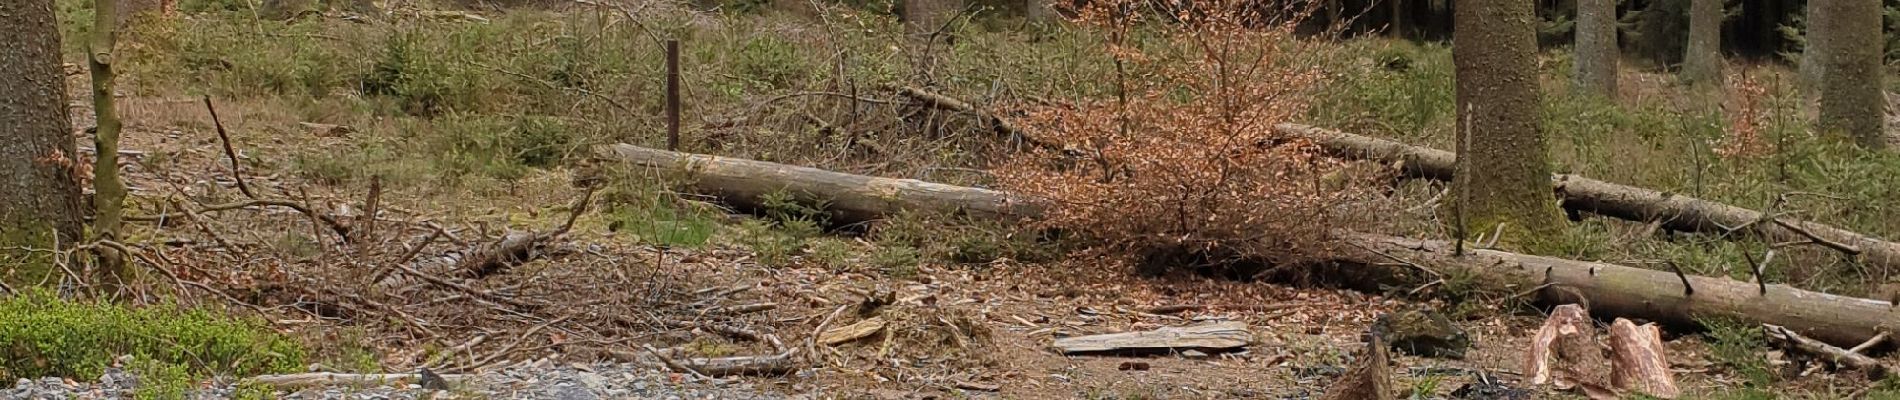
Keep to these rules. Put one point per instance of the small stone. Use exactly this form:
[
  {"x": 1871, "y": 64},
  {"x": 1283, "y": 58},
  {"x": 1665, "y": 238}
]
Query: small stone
[
  {"x": 1424, "y": 333},
  {"x": 1191, "y": 353}
]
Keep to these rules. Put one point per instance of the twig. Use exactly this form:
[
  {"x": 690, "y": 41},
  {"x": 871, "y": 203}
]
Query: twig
[
  {"x": 1761, "y": 281},
  {"x": 406, "y": 256},
  {"x": 1434, "y": 274},
  {"x": 811, "y": 343},
  {"x": 473, "y": 292},
  {"x": 1870, "y": 343},
  {"x": 236, "y": 173},
  {"x": 1528, "y": 292},
  {"x": 370, "y": 208},
  {"x": 1687, "y": 290},
  {"x": 674, "y": 365},
  {"x": 1842, "y": 247},
  {"x": 341, "y": 230}
]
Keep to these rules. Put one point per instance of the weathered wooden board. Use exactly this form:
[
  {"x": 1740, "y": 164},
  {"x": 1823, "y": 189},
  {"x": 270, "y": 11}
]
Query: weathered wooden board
[{"x": 1224, "y": 335}]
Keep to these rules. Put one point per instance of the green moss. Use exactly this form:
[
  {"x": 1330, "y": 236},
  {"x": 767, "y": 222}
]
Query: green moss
[
  {"x": 23, "y": 261},
  {"x": 45, "y": 336}
]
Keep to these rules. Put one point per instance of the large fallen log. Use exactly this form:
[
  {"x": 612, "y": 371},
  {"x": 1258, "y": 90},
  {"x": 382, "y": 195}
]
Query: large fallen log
[
  {"x": 1610, "y": 290},
  {"x": 1672, "y": 211},
  {"x": 1614, "y": 290},
  {"x": 850, "y": 198}
]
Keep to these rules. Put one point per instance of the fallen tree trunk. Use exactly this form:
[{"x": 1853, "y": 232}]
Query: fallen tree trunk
[
  {"x": 850, "y": 198},
  {"x": 1609, "y": 289},
  {"x": 1615, "y": 290},
  {"x": 1676, "y": 212}
]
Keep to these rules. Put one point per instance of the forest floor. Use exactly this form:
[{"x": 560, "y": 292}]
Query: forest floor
[{"x": 464, "y": 151}]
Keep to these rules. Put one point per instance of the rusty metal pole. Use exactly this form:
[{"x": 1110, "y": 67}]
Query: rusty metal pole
[{"x": 673, "y": 94}]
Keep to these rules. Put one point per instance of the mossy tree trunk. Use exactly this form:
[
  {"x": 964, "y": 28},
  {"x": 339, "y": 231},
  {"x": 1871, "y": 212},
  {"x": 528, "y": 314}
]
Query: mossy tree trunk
[
  {"x": 1596, "y": 47},
  {"x": 39, "y": 189},
  {"x": 1853, "y": 101},
  {"x": 108, "y": 191},
  {"x": 1503, "y": 175}
]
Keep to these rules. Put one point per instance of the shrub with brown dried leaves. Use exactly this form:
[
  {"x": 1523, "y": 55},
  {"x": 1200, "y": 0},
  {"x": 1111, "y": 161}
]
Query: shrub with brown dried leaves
[{"x": 1182, "y": 165}]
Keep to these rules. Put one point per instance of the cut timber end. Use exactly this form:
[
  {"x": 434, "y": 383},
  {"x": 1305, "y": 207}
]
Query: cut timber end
[{"x": 1212, "y": 336}]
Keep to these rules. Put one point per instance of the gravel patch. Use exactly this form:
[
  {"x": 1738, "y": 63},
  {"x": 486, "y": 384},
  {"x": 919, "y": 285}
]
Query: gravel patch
[{"x": 528, "y": 381}]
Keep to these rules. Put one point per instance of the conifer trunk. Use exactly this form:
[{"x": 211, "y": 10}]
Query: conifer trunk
[
  {"x": 1596, "y": 47},
  {"x": 1702, "y": 59},
  {"x": 1503, "y": 176},
  {"x": 39, "y": 187},
  {"x": 1812, "y": 57},
  {"x": 1853, "y": 101}
]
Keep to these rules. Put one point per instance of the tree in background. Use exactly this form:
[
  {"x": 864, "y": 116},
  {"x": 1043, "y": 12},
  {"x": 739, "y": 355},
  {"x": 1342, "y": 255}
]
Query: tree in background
[
  {"x": 1503, "y": 177},
  {"x": 1811, "y": 55},
  {"x": 1596, "y": 47},
  {"x": 39, "y": 172},
  {"x": 1702, "y": 60},
  {"x": 1853, "y": 101},
  {"x": 924, "y": 17}
]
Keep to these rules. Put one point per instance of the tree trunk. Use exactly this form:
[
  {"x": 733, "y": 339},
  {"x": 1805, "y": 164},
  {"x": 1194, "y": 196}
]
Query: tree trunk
[
  {"x": 1609, "y": 290},
  {"x": 109, "y": 192},
  {"x": 1504, "y": 170},
  {"x": 1596, "y": 48},
  {"x": 129, "y": 9},
  {"x": 39, "y": 185},
  {"x": 1039, "y": 12},
  {"x": 1702, "y": 59},
  {"x": 1397, "y": 28},
  {"x": 1853, "y": 101},
  {"x": 1811, "y": 55},
  {"x": 852, "y": 198},
  {"x": 1675, "y": 212},
  {"x": 925, "y": 17}
]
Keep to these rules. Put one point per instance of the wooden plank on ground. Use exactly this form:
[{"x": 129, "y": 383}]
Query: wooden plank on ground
[{"x": 1225, "y": 335}]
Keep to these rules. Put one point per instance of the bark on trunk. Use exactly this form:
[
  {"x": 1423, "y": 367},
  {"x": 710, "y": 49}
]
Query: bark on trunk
[
  {"x": 924, "y": 17},
  {"x": 1596, "y": 47},
  {"x": 1616, "y": 290},
  {"x": 1675, "y": 212},
  {"x": 1702, "y": 58},
  {"x": 1503, "y": 165},
  {"x": 1608, "y": 289},
  {"x": 1853, "y": 101},
  {"x": 852, "y": 198},
  {"x": 1812, "y": 57},
  {"x": 39, "y": 186}
]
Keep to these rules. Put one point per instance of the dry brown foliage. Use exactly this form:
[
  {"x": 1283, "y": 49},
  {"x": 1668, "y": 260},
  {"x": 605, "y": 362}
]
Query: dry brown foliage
[
  {"x": 1746, "y": 118},
  {"x": 1183, "y": 160}
]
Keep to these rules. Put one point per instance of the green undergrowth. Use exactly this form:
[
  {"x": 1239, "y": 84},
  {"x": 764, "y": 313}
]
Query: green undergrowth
[
  {"x": 1659, "y": 136},
  {"x": 45, "y": 336}
]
